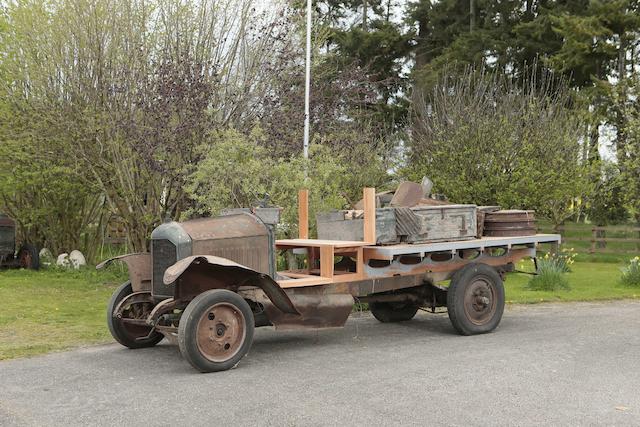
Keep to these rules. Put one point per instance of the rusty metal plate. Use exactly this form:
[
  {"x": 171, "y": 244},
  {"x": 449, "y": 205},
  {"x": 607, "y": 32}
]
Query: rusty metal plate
[
  {"x": 510, "y": 233},
  {"x": 139, "y": 266},
  {"x": 317, "y": 311},
  {"x": 509, "y": 223},
  {"x": 201, "y": 273},
  {"x": 407, "y": 195},
  {"x": 242, "y": 238},
  {"x": 510, "y": 216},
  {"x": 225, "y": 227}
]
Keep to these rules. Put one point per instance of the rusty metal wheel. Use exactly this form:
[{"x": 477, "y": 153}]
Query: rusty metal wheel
[
  {"x": 28, "y": 257},
  {"x": 480, "y": 301},
  {"x": 216, "y": 330},
  {"x": 130, "y": 329},
  {"x": 475, "y": 299},
  {"x": 221, "y": 332}
]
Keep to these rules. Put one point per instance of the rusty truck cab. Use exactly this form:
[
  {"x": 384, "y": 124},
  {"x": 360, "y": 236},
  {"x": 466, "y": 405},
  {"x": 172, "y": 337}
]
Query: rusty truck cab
[{"x": 240, "y": 237}]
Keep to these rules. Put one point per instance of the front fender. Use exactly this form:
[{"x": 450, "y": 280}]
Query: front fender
[
  {"x": 139, "y": 265},
  {"x": 203, "y": 272}
]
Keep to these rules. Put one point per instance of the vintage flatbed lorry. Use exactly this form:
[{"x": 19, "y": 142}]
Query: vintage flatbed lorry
[{"x": 208, "y": 283}]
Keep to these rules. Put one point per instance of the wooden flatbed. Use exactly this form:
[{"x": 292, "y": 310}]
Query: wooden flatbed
[{"x": 370, "y": 261}]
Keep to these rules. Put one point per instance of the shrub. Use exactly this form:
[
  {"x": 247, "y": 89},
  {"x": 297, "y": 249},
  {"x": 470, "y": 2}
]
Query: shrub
[
  {"x": 631, "y": 273},
  {"x": 237, "y": 170},
  {"x": 550, "y": 275}
]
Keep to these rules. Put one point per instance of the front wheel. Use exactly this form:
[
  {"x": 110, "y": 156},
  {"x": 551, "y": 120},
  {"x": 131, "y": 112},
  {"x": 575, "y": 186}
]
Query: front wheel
[
  {"x": 132, "y": 333},
  {"x": 216, "y": 330},
  {"x": 475, "y": 299}
]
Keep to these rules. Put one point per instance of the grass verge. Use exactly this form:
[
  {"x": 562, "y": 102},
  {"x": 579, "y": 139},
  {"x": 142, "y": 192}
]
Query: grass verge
[
  {"x": 589, "y": 281},
  {"x": 51, "y": 310}
]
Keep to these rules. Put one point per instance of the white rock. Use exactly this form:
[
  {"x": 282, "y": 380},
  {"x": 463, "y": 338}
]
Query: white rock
[
  {"x": 77, "y": 259},
  {"x": 45, "y": 254},
  {"x": 63, "y": 260}
]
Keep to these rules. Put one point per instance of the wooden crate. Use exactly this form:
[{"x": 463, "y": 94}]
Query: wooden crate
[
  {"x": 419, "y": 224},
  {"x": 444, "y": 223},
  {"x": 340, "y": 225}
]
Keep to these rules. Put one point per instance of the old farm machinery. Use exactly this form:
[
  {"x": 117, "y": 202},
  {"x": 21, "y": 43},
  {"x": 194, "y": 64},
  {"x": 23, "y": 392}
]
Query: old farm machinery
[{"x": 26, "y": 257}]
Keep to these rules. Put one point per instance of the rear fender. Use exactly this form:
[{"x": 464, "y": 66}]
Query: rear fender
[
  {"x": 139, "y": 265},
  {"x": 196, "y": 274}
]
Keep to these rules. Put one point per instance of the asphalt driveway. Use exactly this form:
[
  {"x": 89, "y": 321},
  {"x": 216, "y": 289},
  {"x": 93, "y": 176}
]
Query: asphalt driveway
[{"x": 552, "y": 364}]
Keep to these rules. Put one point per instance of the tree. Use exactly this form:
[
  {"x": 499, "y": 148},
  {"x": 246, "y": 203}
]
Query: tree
[
  {"x": 631, "y": 168},
  {"x": 131, "y": 89},
  {"x": 484, "y": 138},
  {"x": 238, "y": 171},
  {"x": 363, "y": 34},
  {"x": 607, "y": 205}
]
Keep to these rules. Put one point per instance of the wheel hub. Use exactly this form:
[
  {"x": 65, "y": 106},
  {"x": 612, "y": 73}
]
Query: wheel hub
[
  {"x": 221, "y": 332},
  {"x": 479, "y": 301}
]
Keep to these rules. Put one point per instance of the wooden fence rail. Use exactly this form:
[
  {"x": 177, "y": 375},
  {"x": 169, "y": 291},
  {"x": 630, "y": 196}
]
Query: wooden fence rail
[
  {"x": 596, "y": 239},
  {"x": 599, "y": 239}
]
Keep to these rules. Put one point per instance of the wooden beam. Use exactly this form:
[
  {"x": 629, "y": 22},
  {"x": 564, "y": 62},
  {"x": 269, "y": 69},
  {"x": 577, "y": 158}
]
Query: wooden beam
[
  {"x": 369, "y": 201},
  {"x": 303, "y": 214},
  {"x": 326, "y": 261}
]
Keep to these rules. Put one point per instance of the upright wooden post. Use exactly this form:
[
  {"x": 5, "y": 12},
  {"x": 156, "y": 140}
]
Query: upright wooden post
[
  {"x": 303, "y": 214},
  {"x": 369, "y": 201}
]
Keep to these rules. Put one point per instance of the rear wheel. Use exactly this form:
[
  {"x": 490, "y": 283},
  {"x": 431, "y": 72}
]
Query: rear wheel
[
  {"x": 216, "y": 330},
  {"x": 393, "y": 311},
  {"x": 131, "y": 334},
  {"x": 475, "y": 299},
  {"x": 28, "y": 257}
]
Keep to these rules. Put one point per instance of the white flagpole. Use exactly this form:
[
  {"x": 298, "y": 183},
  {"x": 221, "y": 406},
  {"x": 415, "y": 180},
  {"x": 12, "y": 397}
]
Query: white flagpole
[{"x": 307, "y": 88}]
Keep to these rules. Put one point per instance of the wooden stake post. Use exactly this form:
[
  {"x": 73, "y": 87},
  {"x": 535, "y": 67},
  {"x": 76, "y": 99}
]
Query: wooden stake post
[
  {"x": 326, "y": 250},
  {"x": 369, "y": 201},
  {"x": 303, "y": 214}
]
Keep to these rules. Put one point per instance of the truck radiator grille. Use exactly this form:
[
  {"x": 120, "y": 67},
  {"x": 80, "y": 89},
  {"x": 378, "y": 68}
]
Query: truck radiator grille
[{"x": 163, "y": 254}]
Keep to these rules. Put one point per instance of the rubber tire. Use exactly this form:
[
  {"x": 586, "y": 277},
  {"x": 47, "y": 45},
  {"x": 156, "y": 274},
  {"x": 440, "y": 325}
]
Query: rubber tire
[
  {"x": 116, "y": 328},
  {"x": 35, "y": 255},
  {"x": 187, "y": 330},
  {"x": 455, "y": 298},
  {"x": 387, "y": 312}
]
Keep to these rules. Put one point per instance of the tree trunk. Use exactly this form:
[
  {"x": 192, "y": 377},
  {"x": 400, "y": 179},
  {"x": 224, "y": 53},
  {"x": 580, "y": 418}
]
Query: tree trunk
[
  {"x": 601, "y": 234},
  {"x": 472, "y": 15},
  {"x": 364, "y": 15}
]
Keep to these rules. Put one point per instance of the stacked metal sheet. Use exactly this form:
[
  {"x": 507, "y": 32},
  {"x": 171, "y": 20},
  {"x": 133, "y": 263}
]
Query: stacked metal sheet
[{"x": 508, "y": 223}]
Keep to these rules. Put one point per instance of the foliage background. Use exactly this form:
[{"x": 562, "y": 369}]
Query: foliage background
[{"x": 147, "y": 110}]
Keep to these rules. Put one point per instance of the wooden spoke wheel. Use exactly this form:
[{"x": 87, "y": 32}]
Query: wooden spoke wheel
[
  {"x": 130, "y": 330},
  {"x": 216, "y": 330},
  {"x": 475, "y": 299}
]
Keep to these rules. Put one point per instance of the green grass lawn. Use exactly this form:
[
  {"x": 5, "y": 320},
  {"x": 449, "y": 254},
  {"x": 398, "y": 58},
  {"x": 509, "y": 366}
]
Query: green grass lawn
[
  {"x": 53, "y": 310},
  {"x": 46, "y": 311},
  {"x": 589, "y": 281}
]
